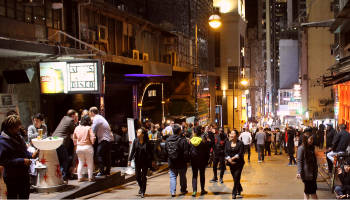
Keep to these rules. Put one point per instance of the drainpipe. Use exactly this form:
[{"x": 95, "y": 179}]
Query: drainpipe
[{"x": 79, "y": 35}]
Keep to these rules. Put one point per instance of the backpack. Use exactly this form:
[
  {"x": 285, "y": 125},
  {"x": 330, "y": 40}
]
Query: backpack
[{"x": 173, "y": 149}]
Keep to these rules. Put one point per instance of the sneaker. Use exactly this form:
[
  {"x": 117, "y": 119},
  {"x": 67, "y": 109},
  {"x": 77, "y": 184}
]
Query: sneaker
[
  {"x": 289, "y": 164},
  {"x": 140, "y": 191},
  {"x": 221, "y": 181},
  {"x": 100, "y": 175},
  {"x": 142, "y": 195},
  {"x": 259, "y": 161},
  {"x": 295, "y": 164},
  {"x": 204, "y": 192},
  {"x": 194, "y": 194},
  {"x": 214, "y": 180},
  {"x": 172, "y": 194}
]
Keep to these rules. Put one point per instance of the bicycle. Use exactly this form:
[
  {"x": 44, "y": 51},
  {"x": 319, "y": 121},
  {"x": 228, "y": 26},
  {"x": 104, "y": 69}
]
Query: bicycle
[{"x": 339, "y": 159}]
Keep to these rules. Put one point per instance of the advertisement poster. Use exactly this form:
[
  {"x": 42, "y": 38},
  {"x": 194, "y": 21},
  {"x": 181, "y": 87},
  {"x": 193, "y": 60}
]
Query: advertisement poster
[
  {"x": 8, "y": 102},
  {"x": 65, "y": 77}
]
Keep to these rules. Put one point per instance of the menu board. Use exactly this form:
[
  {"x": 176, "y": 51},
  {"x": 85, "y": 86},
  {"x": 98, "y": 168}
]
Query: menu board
[
  {"x": 69, "y": 77},
  {"x": 232, "y": 77}
]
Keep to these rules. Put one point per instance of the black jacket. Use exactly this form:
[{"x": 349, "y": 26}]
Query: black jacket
[
  {"x": 237, "y": 150},
  {"x": 341, "y": 141},
  {"x": 330, "y": 135},
  {"x": 183, "y": 156},
  {"x": 219, "y": 145},
  {"x": 12, "y": 154},
  {"x": 137, "y": 149},
  {"x": 198, "y": 153},
  {"x": 345, "y": 180}
]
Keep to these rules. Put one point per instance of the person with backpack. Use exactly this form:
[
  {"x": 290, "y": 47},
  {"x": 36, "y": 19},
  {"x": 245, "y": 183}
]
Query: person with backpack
[
  {"x": 198, "y": 156},
  {"x": 219, "y": 155},
  {"x": 176, "y": 149}
]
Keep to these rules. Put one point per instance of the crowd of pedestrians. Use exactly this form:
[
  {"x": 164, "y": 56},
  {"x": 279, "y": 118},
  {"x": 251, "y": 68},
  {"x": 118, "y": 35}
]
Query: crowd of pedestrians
[{"x": 185, "y": 145}]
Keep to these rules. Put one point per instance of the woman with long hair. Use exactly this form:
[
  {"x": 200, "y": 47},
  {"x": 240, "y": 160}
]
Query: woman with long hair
[
  {"x": 198, "y": 155},
  {"x": 142, "y": 153},
  {"x": 307, "y": 166},
  {"x": 84, "y": 138},
  {"x": 234, "y": 154}
]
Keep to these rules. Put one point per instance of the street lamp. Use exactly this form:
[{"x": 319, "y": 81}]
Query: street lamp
[
  {"x": 244, "y": 81},
  {"x": 215, "y": 22}
]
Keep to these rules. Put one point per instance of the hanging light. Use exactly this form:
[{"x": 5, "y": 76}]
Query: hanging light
[
  {"x": 214, "y": 21},
  {"x": 244, "y": 81}
]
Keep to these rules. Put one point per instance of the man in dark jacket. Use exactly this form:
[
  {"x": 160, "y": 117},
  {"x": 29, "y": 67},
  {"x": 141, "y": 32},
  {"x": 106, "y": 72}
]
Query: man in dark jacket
[
  {"x": 219, "y": 155},
  {"x": 340, "y": 143},
  {"x": 320, "y": 134},
  {"x": 176, "y": 149},
  {"x": 15, "y": 159},
  {"x": 65, "y": 129},
  {"x": 330, "y": 135}
]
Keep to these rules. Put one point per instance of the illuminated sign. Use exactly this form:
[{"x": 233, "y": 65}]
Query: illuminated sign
[
  {"x": 297, "y": 91},
  {"x": 282, "y": 112},
  {"x": 69, "y": 77},
  {"x": 152, "y": 93},
  {"x": 294, "y": 105}
]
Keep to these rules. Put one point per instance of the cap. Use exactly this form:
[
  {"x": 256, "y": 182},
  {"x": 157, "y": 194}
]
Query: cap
[{"x": 347, "y": 161}]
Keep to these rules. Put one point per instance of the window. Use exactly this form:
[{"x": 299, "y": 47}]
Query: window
[
  {"x": 20, "y": 12},
  {"x": 2, "y": 8},
  {"x": 56, "y": 19},
  {"x": 39, "y": 16},
  {"x": 28, "y": 14},
  {"x": 49, "y": 17},
  {"x": 10, "y": 9}
]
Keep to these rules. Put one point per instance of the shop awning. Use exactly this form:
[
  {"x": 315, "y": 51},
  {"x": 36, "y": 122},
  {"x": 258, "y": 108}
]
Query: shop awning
[
  {"x": 186, "y": 107},
  {"x": 340, "y": 72},
  {"x": 343, "y": 15}
]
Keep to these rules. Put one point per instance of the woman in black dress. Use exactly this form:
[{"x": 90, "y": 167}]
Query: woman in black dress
[
  {"x": 234, "y": 154},
  {"x": 142, "y": 153}
]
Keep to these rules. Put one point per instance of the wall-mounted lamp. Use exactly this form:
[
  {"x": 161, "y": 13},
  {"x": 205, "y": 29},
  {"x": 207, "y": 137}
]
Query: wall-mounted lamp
[
  {"x": 224, "y": 93},
  {"x": 140, "y": 104}
]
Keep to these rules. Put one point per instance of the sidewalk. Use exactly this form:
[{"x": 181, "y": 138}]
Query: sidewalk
[{"x": 76, "y": 189}]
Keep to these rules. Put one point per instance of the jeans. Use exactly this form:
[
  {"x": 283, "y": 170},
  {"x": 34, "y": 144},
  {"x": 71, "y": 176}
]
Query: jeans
[
  {"x": 17, "y": 187},
  {"x": 104, "y": 156},
  {"x": 141, "y": 173},
  {"x": 222, "y": 165},
  {"x": 86, "y": 157},
  {"x": 236, "y": 172},
  {"x": 267, "y": 148},
  {"x": 195, "y": 168},
  {"x": 291, "y": 153},
  {"x": 247, "y": 148},
  {"x": 278, "y": 146},
  {"x": 261, "y": 151},
  {"x": 173, "y": 176},
  {"x": 330, "y": 161},
  {"x": 337, "y": 190},
  {"x": 63, "y": 157}
]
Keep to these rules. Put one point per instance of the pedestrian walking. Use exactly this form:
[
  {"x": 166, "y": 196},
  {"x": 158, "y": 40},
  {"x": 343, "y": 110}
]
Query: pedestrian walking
[
  {"x": 268, "y": 142},
  {"x": 101, "y": 129},
  {"x": 260, "y": 141},
  {"x": 320, "y": 134},
  {"x": 234, "y": 154},
  {"x": 84, "y": 138},
  {"x": 219, "y": 155},
  {"x": 142, "y": 154},
  {"x": 198, "y": 155},
  {"x": 343, "y": 191},
  {"x": 246, "y": 138},
  {"x": 65, "y": 129},
  {"x": 15, "y": 159},
  {"x": 178, "y": 159},
  {"x": 307, "y": 166},
  {"x": 278, "y": 138},
  {"x": 290, "y": 146}
]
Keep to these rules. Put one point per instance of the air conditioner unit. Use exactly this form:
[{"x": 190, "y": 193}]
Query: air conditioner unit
[
  {"x": 325, "y": 110},
  {"x": 102, "y": 33},
  {"x": 144, "y": 56},
  {"x": 169, "y": 40},
  {"x": 88, "y": 35},
  {"x": 31, "y": 2},
  {"x": 135, "y": 54},
  {"x": 317, "y": 114},
  {"x": 322, "y": 102}
]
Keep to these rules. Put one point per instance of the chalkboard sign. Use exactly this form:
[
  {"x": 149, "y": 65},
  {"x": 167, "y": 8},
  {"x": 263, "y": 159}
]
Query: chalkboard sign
[{"x": 232, "y": 77}]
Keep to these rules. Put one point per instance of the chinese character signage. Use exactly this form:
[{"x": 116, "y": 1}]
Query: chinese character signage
[
  {"x": 70, "y": 77},
  {"x": 297, "y": 91},
  {"x": 294, "y": 105}
]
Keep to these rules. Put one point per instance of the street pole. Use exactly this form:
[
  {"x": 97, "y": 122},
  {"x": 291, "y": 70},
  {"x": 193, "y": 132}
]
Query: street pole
[
  {"x": 195, "y": 68},
  {"x": 234, "y": 109}
]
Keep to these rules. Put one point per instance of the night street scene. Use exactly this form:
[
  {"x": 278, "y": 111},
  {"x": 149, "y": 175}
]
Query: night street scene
[{"x": 175, "y": 99}]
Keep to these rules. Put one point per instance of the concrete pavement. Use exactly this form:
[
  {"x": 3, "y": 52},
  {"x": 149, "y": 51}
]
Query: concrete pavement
[{"x": 271, "y": 179}]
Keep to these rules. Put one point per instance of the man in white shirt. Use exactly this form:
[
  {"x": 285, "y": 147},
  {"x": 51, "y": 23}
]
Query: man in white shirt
[{"x": 246, "y": 138}]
